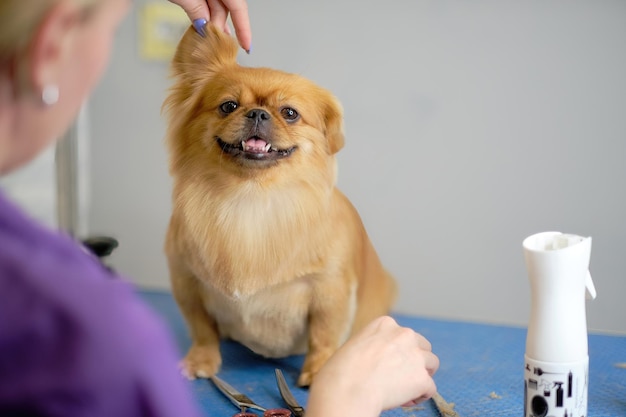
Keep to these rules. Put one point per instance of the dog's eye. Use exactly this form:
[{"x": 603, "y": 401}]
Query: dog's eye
[
  {"x": 228, "y": 106},
  {"x": 289, "y": 114}
]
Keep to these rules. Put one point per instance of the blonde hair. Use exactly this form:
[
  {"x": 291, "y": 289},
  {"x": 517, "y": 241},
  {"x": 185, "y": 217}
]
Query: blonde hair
[{"x": 19, "y": 21}]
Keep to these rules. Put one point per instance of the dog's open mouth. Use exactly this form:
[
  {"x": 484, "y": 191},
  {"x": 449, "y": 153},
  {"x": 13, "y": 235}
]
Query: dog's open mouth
[{"x": 255, "y": 148}]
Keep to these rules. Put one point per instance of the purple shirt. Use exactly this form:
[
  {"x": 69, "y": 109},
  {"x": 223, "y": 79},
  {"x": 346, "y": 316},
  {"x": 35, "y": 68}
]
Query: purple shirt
[{"x": 75, "y": 341}]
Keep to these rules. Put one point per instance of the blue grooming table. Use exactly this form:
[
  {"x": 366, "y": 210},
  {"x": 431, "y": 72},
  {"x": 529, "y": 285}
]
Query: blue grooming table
[{"x": 481, "y": 370}]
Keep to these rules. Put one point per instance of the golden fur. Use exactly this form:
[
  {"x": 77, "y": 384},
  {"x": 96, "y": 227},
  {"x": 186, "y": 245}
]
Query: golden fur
[{"x": 262, "y": 249}]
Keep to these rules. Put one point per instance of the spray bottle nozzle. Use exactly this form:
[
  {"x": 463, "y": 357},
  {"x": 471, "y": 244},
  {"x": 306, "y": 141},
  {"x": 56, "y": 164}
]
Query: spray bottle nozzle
[{"x": 564, "y": 240}]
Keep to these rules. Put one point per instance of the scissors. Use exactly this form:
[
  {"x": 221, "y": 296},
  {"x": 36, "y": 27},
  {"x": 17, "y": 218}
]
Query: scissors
[
  {"x": 287, "y": 395},
  {"x": 445, "y": 409},
  {"x": 243, "y": 402}
]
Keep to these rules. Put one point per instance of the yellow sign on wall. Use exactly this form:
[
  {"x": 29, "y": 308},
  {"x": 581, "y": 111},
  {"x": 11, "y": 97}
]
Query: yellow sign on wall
[{"x": 161, "y": 25}]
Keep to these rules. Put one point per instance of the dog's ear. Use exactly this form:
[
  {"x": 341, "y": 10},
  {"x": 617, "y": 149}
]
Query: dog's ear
[
  {"x": 200, "y": 57},
  {"x": 333, "y": 119},
  {"x": 197, "y": 60}
]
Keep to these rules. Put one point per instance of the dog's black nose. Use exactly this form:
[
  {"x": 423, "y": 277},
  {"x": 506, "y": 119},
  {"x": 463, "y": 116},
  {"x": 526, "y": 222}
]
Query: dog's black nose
[{"x": 258, "y": 115}]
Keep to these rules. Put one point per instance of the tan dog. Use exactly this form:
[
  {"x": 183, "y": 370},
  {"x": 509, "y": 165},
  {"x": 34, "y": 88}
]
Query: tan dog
[{"x": 262, "y": 247}]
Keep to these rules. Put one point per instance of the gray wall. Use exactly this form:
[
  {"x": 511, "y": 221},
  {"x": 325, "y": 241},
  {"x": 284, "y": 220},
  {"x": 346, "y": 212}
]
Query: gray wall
[
  {"x": 470, "y": 125},
  {"x": 33, "y": 188}
]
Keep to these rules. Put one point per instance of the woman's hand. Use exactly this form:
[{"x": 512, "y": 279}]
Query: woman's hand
[
  {"x": 382, "y": 367},
  {"x": 217, "y": 11}
]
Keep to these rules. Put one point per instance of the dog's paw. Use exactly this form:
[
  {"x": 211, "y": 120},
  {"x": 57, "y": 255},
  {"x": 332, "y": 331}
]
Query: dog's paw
[
  {"x": 313, "y": 362},
  {"x": 201, "y": 362},
  {"x": 312, "y": 365},
  {"x": 305, "y": 379}
]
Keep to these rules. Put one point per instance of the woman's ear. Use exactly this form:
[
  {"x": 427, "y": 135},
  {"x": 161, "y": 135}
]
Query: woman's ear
[{"x": 49, "y": 50}]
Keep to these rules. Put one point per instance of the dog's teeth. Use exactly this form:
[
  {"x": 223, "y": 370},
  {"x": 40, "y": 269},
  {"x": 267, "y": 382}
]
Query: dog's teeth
[
  {"x": 275, "y": 149},
  {"x": 243, "y": 144},
  {"x": 267, "y": 147}
]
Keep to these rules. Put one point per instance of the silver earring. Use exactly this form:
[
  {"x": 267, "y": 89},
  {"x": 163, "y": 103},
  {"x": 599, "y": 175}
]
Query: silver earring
[{"x": 50, "y": 94}]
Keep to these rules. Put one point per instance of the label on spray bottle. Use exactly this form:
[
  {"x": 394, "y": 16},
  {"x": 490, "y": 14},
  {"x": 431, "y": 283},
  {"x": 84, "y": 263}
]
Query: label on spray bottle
[{"x": 555, "y": 389}]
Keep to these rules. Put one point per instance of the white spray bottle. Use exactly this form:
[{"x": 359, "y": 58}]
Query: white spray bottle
[{"x": 557, "y": 361}]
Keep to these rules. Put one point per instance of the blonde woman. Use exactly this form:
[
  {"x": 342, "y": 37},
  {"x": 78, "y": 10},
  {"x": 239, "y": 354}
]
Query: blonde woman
[{"x": 74, "y": 342}]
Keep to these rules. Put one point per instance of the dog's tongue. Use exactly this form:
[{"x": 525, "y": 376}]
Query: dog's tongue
[{"x": 256, "y": 145}]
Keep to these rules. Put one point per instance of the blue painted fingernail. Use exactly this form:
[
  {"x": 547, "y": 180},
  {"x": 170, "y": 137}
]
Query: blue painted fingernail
[
  {"x": 249, "y": 50},
  {"x": 199, "y": 25}
]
